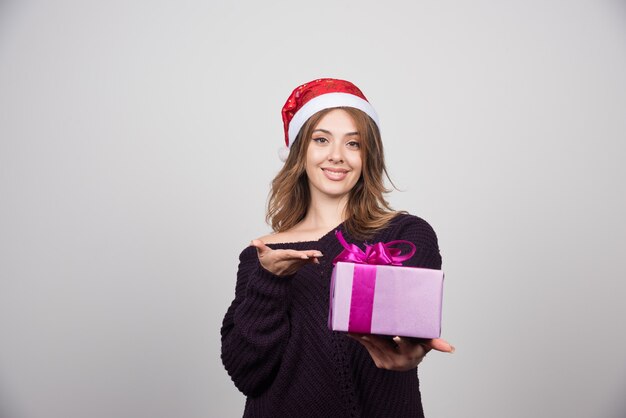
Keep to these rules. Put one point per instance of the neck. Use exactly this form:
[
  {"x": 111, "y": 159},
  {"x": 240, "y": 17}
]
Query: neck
[{"x": 325, "y": 212}]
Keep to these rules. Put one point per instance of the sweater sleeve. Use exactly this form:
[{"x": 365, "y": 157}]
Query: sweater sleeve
[
  {"x": 256, "y": 326},
  {"x": 420, "y": 233}
]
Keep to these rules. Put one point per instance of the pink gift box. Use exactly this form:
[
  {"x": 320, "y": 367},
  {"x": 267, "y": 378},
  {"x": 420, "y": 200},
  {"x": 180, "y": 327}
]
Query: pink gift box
[{"x": 386, "y": 299}]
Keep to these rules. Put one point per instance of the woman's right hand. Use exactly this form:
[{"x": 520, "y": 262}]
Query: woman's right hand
[{"x": 284, "y": 262}]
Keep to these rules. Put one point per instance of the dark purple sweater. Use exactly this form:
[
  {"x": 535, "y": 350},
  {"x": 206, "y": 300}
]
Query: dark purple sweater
[{"x": 279, "y": 352}]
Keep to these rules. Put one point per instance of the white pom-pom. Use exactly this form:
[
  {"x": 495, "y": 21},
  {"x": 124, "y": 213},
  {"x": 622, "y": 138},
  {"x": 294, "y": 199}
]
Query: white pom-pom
[{"x": 283, "y": 153}]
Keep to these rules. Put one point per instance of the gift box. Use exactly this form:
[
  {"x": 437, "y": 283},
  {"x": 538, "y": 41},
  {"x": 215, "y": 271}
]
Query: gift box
[{"x": 372, "y": 293}]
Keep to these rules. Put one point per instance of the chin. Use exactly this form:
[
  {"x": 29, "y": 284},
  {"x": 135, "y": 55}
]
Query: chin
[
  {"x": 332, "y": 189},
  {"x": 336, "y": 191}
]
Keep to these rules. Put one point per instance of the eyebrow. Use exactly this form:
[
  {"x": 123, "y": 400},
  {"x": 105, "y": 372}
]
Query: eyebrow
[{"x": 329, "y": 133}]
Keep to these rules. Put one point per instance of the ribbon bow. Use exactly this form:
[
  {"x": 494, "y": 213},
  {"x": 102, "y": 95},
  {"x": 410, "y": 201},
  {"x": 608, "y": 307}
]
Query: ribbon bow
[{"x": 379, "y": 253}]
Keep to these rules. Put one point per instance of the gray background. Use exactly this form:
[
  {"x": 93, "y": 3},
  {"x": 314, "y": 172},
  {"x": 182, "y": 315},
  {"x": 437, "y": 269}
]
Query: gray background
[{"x": 138, "y": 140}]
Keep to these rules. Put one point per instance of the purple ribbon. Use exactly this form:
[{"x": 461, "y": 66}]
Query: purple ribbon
[{"x": 364, "y": 276}]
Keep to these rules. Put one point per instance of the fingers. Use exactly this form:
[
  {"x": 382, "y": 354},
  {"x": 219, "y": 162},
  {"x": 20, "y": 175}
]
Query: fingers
[
  {"x": 284, "y": 262},
  {"x": 406, "y": 343},
  {"x": 260, "y": 246},
  {"x": 432, "y": 344},
  {"x": 403, "y": 344},
  {"x": 439, "y": 345},
  {"x": 383, "y": 344},
  {"x": 399, "y": 353},
  {"x": 378, "y": 357},
  {"x": 292, "y": 254},
  {"x": 408, "y": 348},
  {"x": 387, "y": 355},
  {"x": 369, "y": 341},
  {"x": 309, "y": 254},
  {"x": 312, "y": 253},
  {"x": 263, "y": 249}
]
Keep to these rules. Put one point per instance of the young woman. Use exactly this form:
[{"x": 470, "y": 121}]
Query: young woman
[{"x": 276, "y": 345}]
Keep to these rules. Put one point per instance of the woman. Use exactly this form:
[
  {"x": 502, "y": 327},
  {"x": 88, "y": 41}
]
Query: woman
[{"x": 276, "y": 345}]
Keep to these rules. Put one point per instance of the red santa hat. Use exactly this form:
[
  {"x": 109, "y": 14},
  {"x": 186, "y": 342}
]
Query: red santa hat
[{"x": 309, "y": 98}]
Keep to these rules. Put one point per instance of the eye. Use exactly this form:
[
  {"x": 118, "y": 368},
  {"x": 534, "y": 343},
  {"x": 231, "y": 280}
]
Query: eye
[
  {"x": 353, "y": 145},
  {"x": 319, "y": 140}
]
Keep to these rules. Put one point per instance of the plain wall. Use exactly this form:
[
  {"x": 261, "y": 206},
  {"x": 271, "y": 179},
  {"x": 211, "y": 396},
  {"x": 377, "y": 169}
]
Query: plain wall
[{"x": 137, "y": 144}]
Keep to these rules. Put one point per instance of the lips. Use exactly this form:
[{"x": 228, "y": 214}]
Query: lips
[{"x": 335, "y": 174}]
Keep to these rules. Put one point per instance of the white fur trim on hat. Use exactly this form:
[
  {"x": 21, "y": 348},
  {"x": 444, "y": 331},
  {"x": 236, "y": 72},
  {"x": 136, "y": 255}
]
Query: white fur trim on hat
[
  {"x": 283, "y": 153},
  {"x": 327, "y": 101}
]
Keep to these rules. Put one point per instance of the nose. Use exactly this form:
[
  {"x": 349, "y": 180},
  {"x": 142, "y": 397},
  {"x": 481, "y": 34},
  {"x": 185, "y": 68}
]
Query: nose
[{"x": 335, "y": 153}]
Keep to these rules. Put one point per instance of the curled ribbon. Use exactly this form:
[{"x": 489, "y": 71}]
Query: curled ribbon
[{"x": 379, "y": 253}]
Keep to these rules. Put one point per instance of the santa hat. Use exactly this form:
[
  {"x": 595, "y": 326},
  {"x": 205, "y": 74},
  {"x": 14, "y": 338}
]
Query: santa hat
[{"x": 309, "y": 98}]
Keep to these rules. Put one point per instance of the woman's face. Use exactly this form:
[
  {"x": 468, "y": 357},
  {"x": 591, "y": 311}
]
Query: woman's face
[{"x": 333, "y": 158}]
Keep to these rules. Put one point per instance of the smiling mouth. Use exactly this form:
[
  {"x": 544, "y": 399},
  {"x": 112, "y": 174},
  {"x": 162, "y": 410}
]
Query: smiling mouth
[{"x": 335, "y": 174}]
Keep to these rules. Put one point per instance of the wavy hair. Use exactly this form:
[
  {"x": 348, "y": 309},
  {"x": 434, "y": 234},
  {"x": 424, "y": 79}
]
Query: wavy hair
[{"x": 366, "y": 210}]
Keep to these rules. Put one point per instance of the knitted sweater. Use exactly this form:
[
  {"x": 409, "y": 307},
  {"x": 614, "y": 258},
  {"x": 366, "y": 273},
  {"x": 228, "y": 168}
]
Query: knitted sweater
[{"x": 279, "y": 352}]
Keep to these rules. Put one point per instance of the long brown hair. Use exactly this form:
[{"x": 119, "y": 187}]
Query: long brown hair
[{"x": 366, "y": 210}]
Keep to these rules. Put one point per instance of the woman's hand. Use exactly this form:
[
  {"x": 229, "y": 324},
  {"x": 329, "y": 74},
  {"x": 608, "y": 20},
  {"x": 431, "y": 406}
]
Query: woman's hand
[
  {"x": 400, "y": 353},
  {"x": 283, "y": 262}
]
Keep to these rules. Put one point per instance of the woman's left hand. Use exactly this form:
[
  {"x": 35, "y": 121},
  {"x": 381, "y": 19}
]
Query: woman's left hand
[{"x": 401, "y": 353}]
